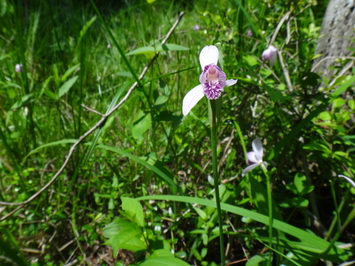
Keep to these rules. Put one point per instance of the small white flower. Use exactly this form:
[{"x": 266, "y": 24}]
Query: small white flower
[
  {"x": 18, "y": 68},
  {"x": 255, "y": 157},
  {"x": 157, "y": 228},
  {"x": 212, "y": 80},
  {"x": 270, "y": 54}
]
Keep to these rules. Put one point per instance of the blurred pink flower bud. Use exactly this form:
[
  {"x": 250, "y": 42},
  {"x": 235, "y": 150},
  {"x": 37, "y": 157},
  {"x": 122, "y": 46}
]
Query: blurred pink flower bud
[
  {"x": 196, "y": 27},
  {"x": 18, "y": 67},
  {"x": 108, "y": 46},
  {"x": 250, "y": 33},
  {"x": 270, "y": 54}
]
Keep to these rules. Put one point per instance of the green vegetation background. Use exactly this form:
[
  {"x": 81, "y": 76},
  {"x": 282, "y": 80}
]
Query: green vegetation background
[{"x": 71, "y": 66}]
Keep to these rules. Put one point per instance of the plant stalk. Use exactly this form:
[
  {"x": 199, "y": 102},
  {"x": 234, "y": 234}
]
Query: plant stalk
[
  {"x": 269, "y": 202},
  {"x": 213, "y": 106}
]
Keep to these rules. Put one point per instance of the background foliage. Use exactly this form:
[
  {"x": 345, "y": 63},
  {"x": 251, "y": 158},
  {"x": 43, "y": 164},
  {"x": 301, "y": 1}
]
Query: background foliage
[{"x": 147, "y": 148}]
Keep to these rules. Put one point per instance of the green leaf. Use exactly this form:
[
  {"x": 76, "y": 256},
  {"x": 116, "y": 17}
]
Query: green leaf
[
  {"x": 159, "y": 48},
  {"x": 141, "y": 125},
  {"x": 47, "y": 91},
  {"x": 275, "y": 95},
  {"x": 300, "y": 181},
  {"x": 21, "y": 102},
  {"x": 325, "y": 116},
  {"x": 123, "y": 234},
  {"x": 339, "y": 102},
  {"x": 317, "y": 145},
  {"x": 160, "y": 170},
  {"x": 162, "y": 99},
  {"x": 201, "y": 213},
  {"x": 163, "y": 257},
  {"x": 298, "y": 202},
  {"x": 66, "y": 86},
  {"x": 84, "y": 30},
  {"x": 281, "y": 87},
  {"x": 134, "y": 210},
  {"x": 308, "y": 242},
  {"x": 256, "y": 260},
  {"x": 172, "y": 47},
  {"x": 51, "y": 144},
  {"x": 351, "y": 104},
  {"x": 69, "y": 72},
  {"x": 251, "y": 61},
  {"x": 142, "y": 50}
]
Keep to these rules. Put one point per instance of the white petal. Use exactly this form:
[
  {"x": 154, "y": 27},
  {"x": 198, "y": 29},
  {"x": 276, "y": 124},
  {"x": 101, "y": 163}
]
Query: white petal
[
  {"x": 348, "y": 179},
  {"x": 258, "y": 149},
  {"x": 273, "y": 59},
  {"x": 230, "y": 82},
  {"x": 209, "y": 55},
  {"x": 191, "y": 99},
  {"x": 249, "y": 168},
  {"x": 251, "y": 157}
]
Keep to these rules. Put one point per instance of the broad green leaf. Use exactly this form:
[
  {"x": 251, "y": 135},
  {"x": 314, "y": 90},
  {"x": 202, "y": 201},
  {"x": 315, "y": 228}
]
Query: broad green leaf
[
  {"x": 251, "y": 61},
  {"x": 123, "y": 234},
  {"x": 294, "y": 202},
  {"x": 275, "y": 95},
  {"x": 339, "y": 102},
  {"x": 201, "y": 213},
  {"x": 325, "y": 116},
  {"x": 142, "y": 50},
  {"x": 69, "y": 72},
  {"x": 134, "y": 209},
  {"x": 124, "y": 74},
  {"x": 159, "y": 48},
  {"x": 308, "y": 242},
  {"x": 300, "y": 181},
  {"x": 163, "y": 258},
  {"x": 171, "y": 47},
  {"x": 161, "y": 100},
  {"x": 23, "y": 100},
  {"x": 265, "y": 72},
  {"x": 66, "y": 86},
  {"x": 351, "y": 104},
  {"x": 45, "y": 89},
  {"x": 281, "y": 87},
  {"x": 257, "y": 260},
  {"x": 141, "y": 125}
]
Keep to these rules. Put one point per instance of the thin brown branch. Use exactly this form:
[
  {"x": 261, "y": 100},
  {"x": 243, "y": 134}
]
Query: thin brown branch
[
  {"x": 92, "y": 110},
  {"x": 285, "y": 71},
  {"x": 89, "y": 132},
  {"x": 285, "y": 17}
]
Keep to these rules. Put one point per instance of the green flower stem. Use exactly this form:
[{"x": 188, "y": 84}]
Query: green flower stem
[
  {"x": 213, "y": 116},
  {"x": 269, "y": 201}
]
